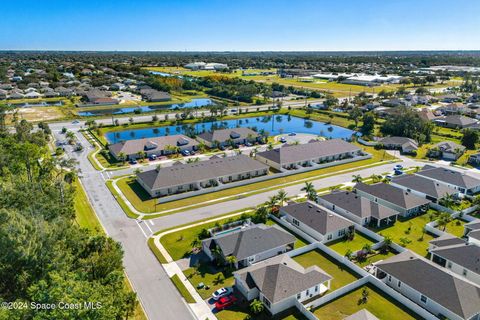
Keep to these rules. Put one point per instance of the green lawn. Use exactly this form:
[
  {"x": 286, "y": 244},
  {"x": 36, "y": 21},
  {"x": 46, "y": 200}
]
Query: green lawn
[
  {"x": 85, "y": 216},
  {"x": 341, "y": 275},
  {"x": 455, "y": 227},
  {"x": 207, "y": 274},
  {"x": 156, "y": 252},
  {"x": 410, "y": 229},
  {"x": 182, "y": 289},
  {"x": 342, "y": 246},
  {"x": 241, "y": 311},
  {"x": 379, "y": 304}
]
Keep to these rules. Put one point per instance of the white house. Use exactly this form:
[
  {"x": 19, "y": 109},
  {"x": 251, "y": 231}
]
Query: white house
[
  {"x": 280, "y": 282},
  {"x": 460, "y": 181},
  {"x": 462, "y": 259}
]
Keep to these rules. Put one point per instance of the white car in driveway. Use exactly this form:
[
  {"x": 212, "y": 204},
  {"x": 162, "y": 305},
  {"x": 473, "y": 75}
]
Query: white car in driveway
[{"x": 222, "y": 292}]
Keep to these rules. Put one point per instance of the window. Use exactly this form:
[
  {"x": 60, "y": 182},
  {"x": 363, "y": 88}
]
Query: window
[
  {"x": 296, "y": 222},
  {"x": 341, "y": 232},
  {"x": 333, "y": 207},
  {"x": 329, "y": 237},
  {"x": 267, "y": 303},
  {"x": 316, "y": 288},
  {"x": 464, "y": 272},
  {"x": 423, "y": 298},
  {"x": 299, "y": 296},
  {"x": 389, "y": 278},
  {"x": 399, "y": 284},
  {"x": 308, "y": 292},
  {"x": 449, "y": 265}
]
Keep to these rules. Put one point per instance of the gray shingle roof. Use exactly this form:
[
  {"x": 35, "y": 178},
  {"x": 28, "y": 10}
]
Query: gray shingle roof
[
  {"x": 399, "y": 141},
  {"x": 459, "y": 120},
  {"x": 473, "y": 225},
  {"x": 316, "y": 217},
  {"x": 449, "y": 176},
  {"x": 446, "y": 240},
  {"x": 468, "y": 256},
  {"x": 424, "y": 185},
  {"x": 155, "y": 144},
  {"x": 281, "y": 277},
  {"x": 475, "y": 234},
  {"x": 453, "y": 293},
  {"x": 251, "y": 241},
  {"x": 304, "y": 152},
  {"x": 449, "y": 146},
  {"x": 359, "y": 206},
  {"x": 200, "y": 171},
  {"x": 227, "y": 134},
  {"x": 392, "y": 194},
  {"x": 363, "y": 314}
]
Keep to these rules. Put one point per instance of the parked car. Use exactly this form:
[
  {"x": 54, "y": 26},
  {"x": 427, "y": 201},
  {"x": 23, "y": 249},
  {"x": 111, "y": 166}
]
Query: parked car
[
  {"x": 283, "y": 140},
  {"x": 292, "y": 134},
  {"x": 389, "y": 177},
  {"x": 398, "y": 172},
  {"x": 185, "y": 153},
  {"x": 192, "y": 153},
  {"x": 225, "y": 302},
  {"x": 248, "y": 144},
  {"x": 398, "y": 167},
  {"x": 153, "y": 157},
  {"x": 222, "y": 292},
  {"x": 133, "y": 161}
]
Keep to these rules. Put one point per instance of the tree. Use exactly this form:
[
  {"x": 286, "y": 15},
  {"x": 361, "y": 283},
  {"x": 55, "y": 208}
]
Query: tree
[
  {"x": 256, "y": 306},
  {"x": 310, "y": 190},
  {"x": 469, "y": 138},
  {"x": 122, "y": 157},
  {"x": 443, "y": 220},
  {"x": 368, "y": 124},
  {"x": 231, "y": 260},
  {"x": 281, "y": 197},
  {"x": 272, "y": 204},
  {"x": 261, "y": 215},
  {"x": 355, "y": 115},
  {"x": 356, "y": 178},
  {"x": 407, "y": 123}
]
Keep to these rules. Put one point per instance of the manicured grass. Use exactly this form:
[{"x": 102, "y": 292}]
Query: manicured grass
[
  {"x": 374, "y": 258},
  {"x": 341, "y": 275},
  {"x": 241, "y": 311},
  {"x": 182, "y": 289},
  {"x": 342, "y": 246},
  {"x": 419, "y": 241},
  {"x": 207, "y": 274},
  {"x": 156, "y": 252},
  {"x": 378, "y": 303},
  {"x": 455, "y": 227},
  {"x": 122, "y": 204},
  {"x": 84, "y": 214}
]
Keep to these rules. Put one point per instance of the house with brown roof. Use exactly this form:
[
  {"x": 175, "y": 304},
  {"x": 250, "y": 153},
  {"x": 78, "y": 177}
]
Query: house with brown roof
[
  {"x": 157, "y": 146},
  {"x": 281, "y": 282}
]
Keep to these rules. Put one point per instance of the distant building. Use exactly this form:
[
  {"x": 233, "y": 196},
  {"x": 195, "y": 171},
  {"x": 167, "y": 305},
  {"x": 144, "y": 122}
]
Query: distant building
[
  {"x": 447, "y": 150},
  {"x": 456, "y": 122},
  {"x": 223, "y": 137},
  {"x": 406, "y": 145},
  {"x": 206, "y": 66},
  {"x": 152, "y": 95}
]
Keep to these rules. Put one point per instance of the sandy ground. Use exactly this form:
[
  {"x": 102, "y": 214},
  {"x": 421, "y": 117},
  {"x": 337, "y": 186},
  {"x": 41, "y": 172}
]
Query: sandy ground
[{"x": 40, "y": 113}]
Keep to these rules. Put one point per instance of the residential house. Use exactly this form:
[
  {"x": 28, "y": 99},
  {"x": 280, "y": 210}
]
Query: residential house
[
  {"x": 474, "y": 237},
  {"x": 3, "y": 94},
  {"x": 316, "y": 221},
  {"x": 152, "y": 95},
  {"x": 423, "y": 187},
  {"x": 117, "y": 86},
  {"x": 281, "y": 282},
  {"x": 460, "y": 181},
  {"x": 199, "y": 175},
  {"x": 406, "y": 203},
  {"x": 226, "y": 137},
  {"x": 456, "y": 122},
  {"x": 358, "y": 209},
  {"x": 32, "y": 95},
  {"x": 290, "y": 157},
  {"x": 471, "y": 226},
  {"x": 454, "y": 108},
  {"x": 447, "y": 150},
  {"x": 157, "y": 146},
  {"x": 406, "y": 145},
  {"x": 426, "y": 114},
  {"x": 442, "y": 293},
  {"x": 474, "y": 159},
  {"x": 462, "y": 259},
  {"x": 449, "y": 98},
  {"x": 248, "y": 245}
]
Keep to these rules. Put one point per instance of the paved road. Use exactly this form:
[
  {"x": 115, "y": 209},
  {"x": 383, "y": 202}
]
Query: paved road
[{"x": 159, "y": 297}]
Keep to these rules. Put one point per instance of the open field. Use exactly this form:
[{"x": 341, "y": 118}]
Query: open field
[
  {"x": 334, "y": 88},
  {"x": 378, "y": 303},
  {"x": 36, "y": 114},
  {"x": 341, "y": 275}
]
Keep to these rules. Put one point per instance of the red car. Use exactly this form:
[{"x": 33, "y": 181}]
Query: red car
[{"x": 225, "y": 302}]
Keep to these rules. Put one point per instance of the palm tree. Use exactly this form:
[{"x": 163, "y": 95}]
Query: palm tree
[
  {"x": 271, "y": 204},
  {"x": 122, "y": 157},
  {"x": 444, "y": 219},
  {"x": 217, "y": 254},
  {"x": 282, "y": 197},
  {"x": 367, "y": 248},
  {"x": 447, "y": 201},
  {"x": 195, "y": 243},
  {"x": 387, "y": 241},
  {"x": 310, "y": 190},
  {"x": 231, "y": 260},
  {"x": 357, "y": 178},
  {"x": 256, "y": 306}
]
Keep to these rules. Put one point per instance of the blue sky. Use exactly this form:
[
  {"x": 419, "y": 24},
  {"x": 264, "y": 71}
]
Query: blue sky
[{"x": 240, "y": 25}]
